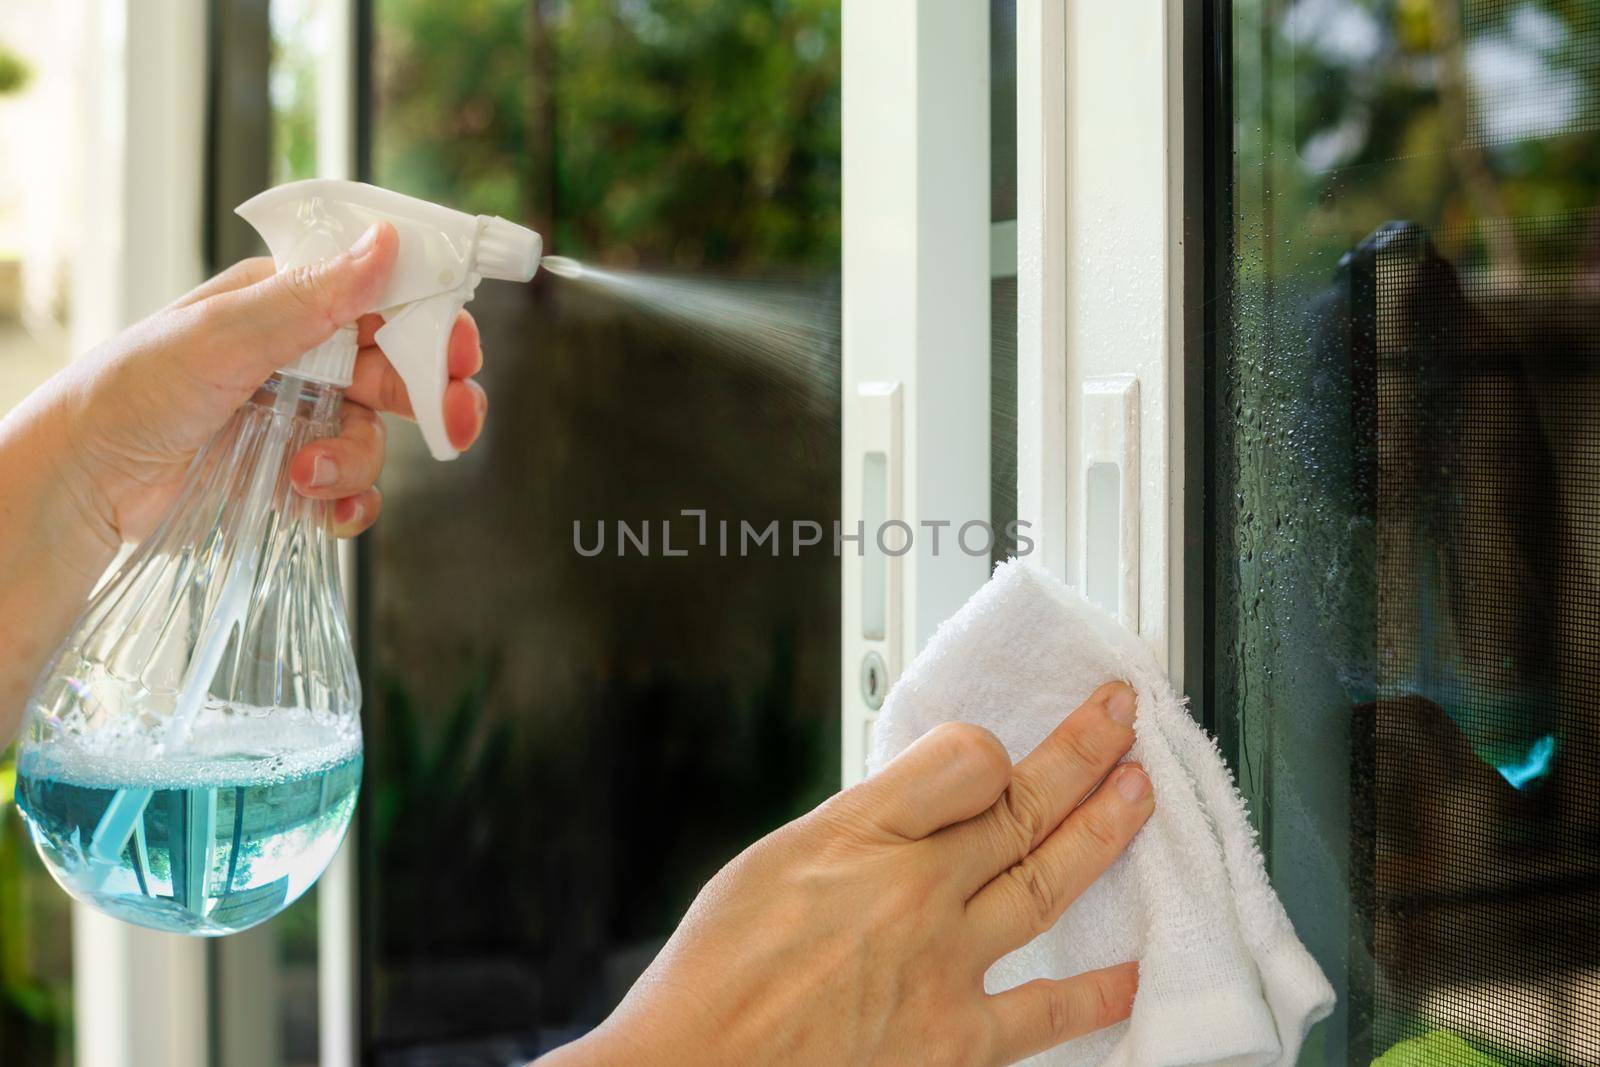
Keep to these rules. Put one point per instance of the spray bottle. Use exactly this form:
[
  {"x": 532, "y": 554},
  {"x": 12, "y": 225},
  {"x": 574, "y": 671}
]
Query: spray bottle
[{"x": 191, "y": 758}]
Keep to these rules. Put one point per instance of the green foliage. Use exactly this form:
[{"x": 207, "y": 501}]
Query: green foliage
[
  {"x": 620, "y": 127},
  {"x": 1405, "y": 116},
  {"x": 455, "y": 89},
  {"x": 427, "y": 783},
  {"x": 14, "y": 72},
  {"x": 35, "y": 992},
  {"x": 293, "y": 88},
  {"x": 1437, "y": 1048},
  {"x": 719, "y": 117},
  {"x": 1426, "y": 1046}
]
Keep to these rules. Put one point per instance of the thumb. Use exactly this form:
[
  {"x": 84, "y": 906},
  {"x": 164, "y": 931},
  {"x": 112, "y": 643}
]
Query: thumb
[{"x": 279, "y": 319}]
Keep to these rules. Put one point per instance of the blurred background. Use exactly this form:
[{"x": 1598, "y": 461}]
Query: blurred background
[{"x": 560, "y": 750}]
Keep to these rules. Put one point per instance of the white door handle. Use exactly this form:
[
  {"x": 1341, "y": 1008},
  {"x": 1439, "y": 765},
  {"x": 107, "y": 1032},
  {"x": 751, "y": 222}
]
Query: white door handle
[
  {"x": 874, "y": 578},
  {"x": 1110, "y": 531}
]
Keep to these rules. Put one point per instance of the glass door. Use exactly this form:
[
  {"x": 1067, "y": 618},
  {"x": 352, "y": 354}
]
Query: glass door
[
  {"x": 1402, "y": 453},
  {"x": 592, "y": 674}
]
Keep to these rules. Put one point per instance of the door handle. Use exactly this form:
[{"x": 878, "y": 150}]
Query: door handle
[{"x": 1110, "y": 530}]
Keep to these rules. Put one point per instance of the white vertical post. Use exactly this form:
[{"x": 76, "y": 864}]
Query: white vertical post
[
  {"x": 338, "y": 915},
  {"x": 915, "y": 313},
  {"x": 1122, "y": 258},
  {"x": 338, "y": 952},
  {"x": 1180, "y": 22},
  {"x": 1042, "y": 281},
  {"x": 142, "y": 197},
  {"x": 336, "y": 89},
  {"x": 249, "y": 1004},
  {"x": 140, "y": 998},
  {"x": 1100, "y": 282}
]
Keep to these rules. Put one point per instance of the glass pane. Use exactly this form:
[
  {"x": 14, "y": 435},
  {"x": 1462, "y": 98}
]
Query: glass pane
[
  {"x": 41, "y": 101},
  {"x": 1002, "y": 110},
  {"x": 1404, "y": 487},
  {"x": 300, "y": 33},
  {"x": 1003, "y": 287},
  {"x": 1003, "y": 415},
  {"x": 562, "y": 746},
  {"x": 264, "y": 981}
]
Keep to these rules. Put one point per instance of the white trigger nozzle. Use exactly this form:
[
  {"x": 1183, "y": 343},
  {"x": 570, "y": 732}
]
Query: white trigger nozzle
[
  {"x": 417, "y": 341},
  {"x": 443, "y": 255}
]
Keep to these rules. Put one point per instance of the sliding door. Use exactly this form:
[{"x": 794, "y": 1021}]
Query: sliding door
[
  {"x": 1402, "y": 444},
  {"x": 600, "y": 649}
]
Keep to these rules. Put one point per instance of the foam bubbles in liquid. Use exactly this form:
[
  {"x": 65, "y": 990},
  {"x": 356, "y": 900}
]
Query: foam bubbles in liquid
[{"x": 212, "y": 838}]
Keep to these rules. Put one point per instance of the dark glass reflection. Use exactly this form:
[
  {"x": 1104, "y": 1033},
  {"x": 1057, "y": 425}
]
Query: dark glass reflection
[
  {"x": 1405, "y": 481},
  {"x": 563, "y": 749}
]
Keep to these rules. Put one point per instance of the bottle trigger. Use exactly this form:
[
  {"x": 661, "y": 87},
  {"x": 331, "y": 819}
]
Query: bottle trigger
[{"x": 417, "y": 341}]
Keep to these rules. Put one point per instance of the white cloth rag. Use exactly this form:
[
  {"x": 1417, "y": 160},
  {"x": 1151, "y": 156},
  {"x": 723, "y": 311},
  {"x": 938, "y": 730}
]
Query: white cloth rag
[{"x": 1222, "y": 977}]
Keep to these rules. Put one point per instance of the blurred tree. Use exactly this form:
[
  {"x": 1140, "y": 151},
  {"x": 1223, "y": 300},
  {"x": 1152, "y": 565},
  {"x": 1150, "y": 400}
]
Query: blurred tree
[
  {"x": 292, "y": 88},
  {"x": 1395, "y": 111},
  {"x": 14, "y": 72},
  {"x": 620, "y": 126}
]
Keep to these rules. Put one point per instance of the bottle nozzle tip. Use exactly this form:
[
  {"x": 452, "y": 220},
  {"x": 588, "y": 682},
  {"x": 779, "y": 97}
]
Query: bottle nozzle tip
[{"x": 506, "y": 251}]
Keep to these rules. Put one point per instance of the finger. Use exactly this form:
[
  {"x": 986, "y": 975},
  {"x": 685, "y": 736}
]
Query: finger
[
  {"x": 466, "y": 406},
  {"x": 277, "y": 320},
  {"x": 950, "y": 773},
  {"x": 1046, "y": 784},
  {"x": 1041, "y": 1014},
  {"x": 243, "y": 273},
  {"x": 375, "y": 383},
  {"x": 336, "y": 467},
  {"x": 367, "y": 327},
  {"x": 466, "y": 347},
  {"x": 354, "y": 514},
  {"x": 1026, "y": 899}
]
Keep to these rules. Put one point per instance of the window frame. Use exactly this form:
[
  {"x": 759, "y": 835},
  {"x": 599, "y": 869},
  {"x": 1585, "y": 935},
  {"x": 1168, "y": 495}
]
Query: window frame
[
  {"x": 1084, "y": 304},
  {"x": 915, "y": 322},
  {"x": 1104, "y": 296},
  {"x": 142, "y": 243}
]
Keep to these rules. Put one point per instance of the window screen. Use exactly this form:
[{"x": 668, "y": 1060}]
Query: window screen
[{"x": 1404, "y": 488}]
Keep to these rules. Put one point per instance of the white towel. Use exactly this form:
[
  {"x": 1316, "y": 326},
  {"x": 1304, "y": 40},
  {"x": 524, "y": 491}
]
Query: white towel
[{"x": 1222, "y": 977}]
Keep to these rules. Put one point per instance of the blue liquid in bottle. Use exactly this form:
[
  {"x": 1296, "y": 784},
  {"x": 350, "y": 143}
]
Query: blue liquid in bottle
[{"x": 207, "y": 845}]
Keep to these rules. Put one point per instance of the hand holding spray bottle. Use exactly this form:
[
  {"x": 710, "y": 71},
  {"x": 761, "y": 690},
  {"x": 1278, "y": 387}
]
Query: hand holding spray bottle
[{"x": 191, "y": 758}]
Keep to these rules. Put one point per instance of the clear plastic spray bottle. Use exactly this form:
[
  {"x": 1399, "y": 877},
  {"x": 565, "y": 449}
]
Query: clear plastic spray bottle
[{"x": 191, "y": 758}]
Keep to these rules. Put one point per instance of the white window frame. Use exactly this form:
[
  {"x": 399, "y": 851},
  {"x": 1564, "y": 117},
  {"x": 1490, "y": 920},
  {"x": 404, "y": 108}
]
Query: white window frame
[
  {"x": 135, "y": 991},
  {"x": 1100, "y": 293},
  {"x": 338, "y": 898},
  {"x": 915, "y": 324},
  {"x": 1099, "y": 258}
]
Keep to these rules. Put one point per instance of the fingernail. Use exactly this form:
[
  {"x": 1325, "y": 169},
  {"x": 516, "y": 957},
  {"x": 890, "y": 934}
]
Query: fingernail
[
  {"x": 323, "y": 472},
  {"x": 354, "y": 518},
  {"x": 1121, "y": 704},
  {"x": 1132, "y": 784},
  {"x": 365, "y": 242}
]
